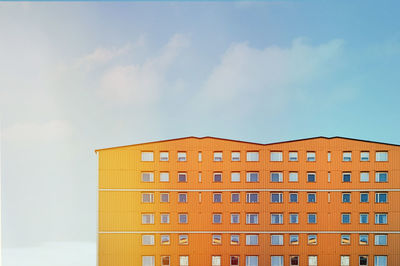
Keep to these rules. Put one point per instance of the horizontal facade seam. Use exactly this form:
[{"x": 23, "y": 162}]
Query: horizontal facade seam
[
  {"x": 250, "y": 189},
  {"x": 249, "y": 232}
]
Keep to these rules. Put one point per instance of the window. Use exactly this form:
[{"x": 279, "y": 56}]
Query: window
[
  {"x": 380, "y": 197},
  {"x": 148, "y": 260},
  {"x": 251, "y": 260},
  {"x": 276, "y": 260},
  {"x": 312, "y": 218},
  {"x": 200, "y": 156},
  {"x": 216, "y": 239},
  {"x": 217, "y": 197},
  {"x": 363, "y": 240},
  {"x": 216, "y": 261},
  {"x": 235, "y": 218},
  {"x": 311, "y": 177},
  {"x": 164, "y": 156},
  {"x": 293, "y": 177},
  {"x": 164, "y": 218},
  {"x": 183, "y": 239},
  {"x": 147, "y": 156},
  {"x": 345, "y": 239},
  {"x": 235, "y": 240},
  {"x": 381, "y": 177},
  {"x": 276, "y": 156},
  {"x": 165, "y": 261},
  {"x": 346, "y": 197},
  {"x": 293, "y": 197},
  {"x": 234, "y": 260},
  {"x": 235, "y": 177},
  {"x": 276, "y": 197},
  {"x": 294, "y": 260},
  {"x": 380, "y": 240},
  {"x": 199, "y": 177},
  {"x": 381, "y": 156},
  {"x": 345, "y": 218},
  {"x": 312, "y": 260},
  {"x": 148, "y": 177},
  {"x": 329, "y": 156},
  {"x": 217, "y": 218},
  {"x": 294, "y": 239},
  {"x": 364, "y": 156},
  {"x": 182, "y": 197},
  {"x": 251, "y": 197},
  {"x": 251, "y": 218},
  {"x": 311, "y": 239},
  {"x": 251, "y": 240},
  {"x": 182, "y": 156},
  {"x": 183, "y": 218},
  {"x": 252, "y": 156},
  {"x": 217, "y": 177},
  {"x": 311, "y": 197},
  {"x": 147, "y": 197},
  {"x": 344, "y": 260},
  {"x": 294, "y": 218},
  {"x": 147, "y": 240},
  {"x": 363, "y": 218},
  {"x": 235, "y": 156},
  {"x": 380, "y": 218},
  {"x": 182, "y": 177},
  {"x": 380, "y": 260},
  {"x": 293, "y": 157},
  {"x": 277, "y": 240},
  {"x": 364, "y": 197},
  {"x": 347, "y": 156},
  {"x": 276, "y": 218},
  {"x": 311, "y": 156},
  {"x": 147, "y": 218},
  {"x": 183, "y": 260},
  {"x": 364, "y": 177},
  {"x": 164, "y": 177},
  {"x": 217, "y": 156},
  {"x": 165, "y": 240},
  {"x": 235, "y": 197},
  {"x": 363, "y": 260},
  {"x": 276, "y": 177},
  {"x": 164, "y": 197},
  {"x": 252, "y": 177},
  {"x": 346, "y": 177}
]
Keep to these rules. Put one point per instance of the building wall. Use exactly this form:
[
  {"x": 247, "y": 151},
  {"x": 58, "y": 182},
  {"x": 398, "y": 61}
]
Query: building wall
[{"x": 120, "y": 206}]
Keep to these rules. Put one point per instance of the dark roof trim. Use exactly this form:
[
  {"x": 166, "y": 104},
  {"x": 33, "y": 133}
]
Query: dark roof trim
[{"x": 262, "y": 144}]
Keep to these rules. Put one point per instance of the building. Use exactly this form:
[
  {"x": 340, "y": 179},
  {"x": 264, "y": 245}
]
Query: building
[{"x": 211, "y": 201}]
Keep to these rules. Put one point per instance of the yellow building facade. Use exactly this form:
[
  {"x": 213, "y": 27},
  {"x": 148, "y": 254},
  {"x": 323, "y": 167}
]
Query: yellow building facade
[{"x": 211, "y": 201}]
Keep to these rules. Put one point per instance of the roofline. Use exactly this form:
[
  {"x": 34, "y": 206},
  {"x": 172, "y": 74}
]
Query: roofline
[{"x": 248, "y": 142}]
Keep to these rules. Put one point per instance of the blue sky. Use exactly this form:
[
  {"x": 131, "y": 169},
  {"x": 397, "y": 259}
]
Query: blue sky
[{"x": 80, "y": 76}]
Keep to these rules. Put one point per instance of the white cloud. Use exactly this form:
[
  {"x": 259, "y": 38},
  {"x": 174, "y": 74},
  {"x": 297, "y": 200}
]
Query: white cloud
[
  {"x": 49, "y": 131},
  {"x": 141, "y": 83}
]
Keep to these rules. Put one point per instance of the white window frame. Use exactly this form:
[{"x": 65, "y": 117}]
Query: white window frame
[
  {"x": 345, "y": 239},
  {"x": 361, "y": 236},
  {"x": 182, "y": 174},
  {"x": 359, "y": 259},
  {"x": 364, "y": 193},
  {"x": 276, "y": 156},
  {"x": 162, "y": 215},
  {"x": 293, "y": 156},
  {"x": 377, "y": 177},
  {"x": 280, "y": 197},
  {"x": 280, "y": 218},
  {"x": 252, "y": 156},
  {"x": 346, "y": 194},
  {"x": 312, "y": 260},
  {"x": 249, "y": 197},
  {"x": 293, "y": 177},
  {"x": 217, "y": 174},
  {"x": 235, "y": 156},
  {"x": 237, "y": 215},
  {"x": 252, "y": 218},
  {"x": 311, "y": 156},
  {"x": 291, "y": 238},
  {"x": 248, "y": 177},
  {"x": 161, "y": 197},
  {"x": 164, "y": 237},
  {"x": 344, "y": 260},
  {"x": 150, "y": 177},
  {"x": 380, "y": 260},
  {"x": 218, "y": 156},
  {"x": 169, "y": 260},
  {"x": 381, "y": 156},
  {"x": 308, "y": 218},
  {"x": 293, "y": 215},
  {"x": 235, "y": 176},
  {"x": 343, "y": 215},
  {"x": 179, "y": 197},
  {"x": 345, "y": 174},
  {"x": 148, "y": 240},
  {"x": 148, "y": 216},
  {"x": 252, "y": 240},
  {"x": 315, "y": 197},
  {"x": 214, "y": 215},
  {"x": 276, "y": 240},
  {"x": 292, "y": 257},
  {"x": 361, "y": 217},
  {"x": 251, "y": 260},
  {"x": 183, "y": 260},
  {"x": 147, "y": 156},
  {"x": 276, "y": 260},
  {"x": 185, "y": 220},
  {"x": 215, "y": 260},
  {"x": 217, "y": 194},
  {"x": 234, "y": 256},
  {"x": 377, "y": 196},
  {"x": 297, "y": 197},
  {"x": 346, "y": 156},
  {"x": 280, "y": 177},
  {"x": 311, "y": 174},
  {"x": 182, "y": 156},
  {"x": 150, "y": 197},
  {"x": 235, "y": 193},
  {"x": 148, "y": 260},
  {"x": 164, "y": 156},
  {"x": 364, "y": 176},
  {"x": 309, "y": 241},
  {"x": 379, "y": 238},
  {"x": 364, "y": 156},
  {"x": 234, "y": 243},
  {"x": 183, "y": 239},
  {"x": 164, "y": 176},
  {"x": 216, "y": 239},
  {"x": 377, "y": 215}
]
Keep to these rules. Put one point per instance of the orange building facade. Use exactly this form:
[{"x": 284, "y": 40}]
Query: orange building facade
[{"x": 210, "y": 201}]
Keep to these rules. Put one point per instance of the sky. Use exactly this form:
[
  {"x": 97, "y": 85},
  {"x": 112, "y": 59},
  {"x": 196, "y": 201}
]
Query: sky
[{"x": 77, "y": 76}]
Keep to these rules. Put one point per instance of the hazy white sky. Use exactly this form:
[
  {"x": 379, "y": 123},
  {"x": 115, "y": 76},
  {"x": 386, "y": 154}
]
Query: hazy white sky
[{"x": 80, "y": 76}]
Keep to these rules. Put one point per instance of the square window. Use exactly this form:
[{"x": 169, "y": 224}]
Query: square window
[
  {"x": 310, "y": 156},
  {"x": 364, "y": 197},
  {"x": 235, "y": 218},
  {"x": 293, "y": 197},
  {"x": 346, "y": 177},
  {"x": 363, "y": 218},
  {"x": 364, "y": 177},
  {"x": 381, "y": 218},
  {"x": 235, "y": 156},
  {"x": 293, "y": 156},
  {"x": 251, "y": 240},
  {"x": 148, "y": 260},
  {"x": 217, "y": 156},
  {"x": 293, "y": 218},
  {"x": 380, "y": 240},
  {"x": 276, "y": 260},
  {"x": 165, "y": 261},
  {"x": 294, "y": 260},
  {"x": 311, "y": 239},
  {"x": 381, "y": 156},
  {"x": 347, "y": 156},
  {"x": 147, "y": 218},
  {"x": 217, "y": 218},
  {"x": 294, "y": 239},
  {"x": 345, "y": 260},
  {"x": 183, "y": 218},
  {"x": 182, "y": 177},
  {"x": 217, "y": 197},
  {"x": 147, "y": 156},
  {"x": 216, "y": 239},
  {"x": 183, "y": 239},
  {"x": 252, "y": 197},
  {"x": 252, "y": 177},
  {"x": 164, "y": 218},
  {"x": 234, "y": 260},
  {"x": 182, "y": 156},
  {"x": 147, "y": 177},
  {"x": 164, "y": 177},
  {"x": 277, "y": 240},
  {"x": 363, "y": 240},
  {"x": 364, "y": 156},
  {"x": 235, "y": 197},
  {"x": 235, "y": 177},
  {"x": 345, "y": 218},
  {"x": 311, "y": 177},
  {"x": 217, "y": 177},
  {"x": 276, "y": 197},
  {"x": 164, "y": 156},
  {"x": 276, "y": 177},
  {"x": 165, "y": 240},
  {"x": 276, "y": 218},
  {"x": 148, "y": 240},
  {"x": 183, "y": 260},
  {"x": 147, "y": 197},
  {"x": 312, "y": 260},
  {"x": 164, "y": 197},
  {"x": 235, "y": 240},
  {"x": 252, "y": 156},
  {"x": 293, "y": 177},
  {"x": 363, "y": 260},
  {"x": 380, "y": 197},
  {"x": 182, "y": 197},
  {"x": 345, "y": 239},
  {"x": 216, "y": 261},
  {"x": 311, "y": 197},
  {"x": 380, "y": 260},
  {"x": 251, "y": 218},
  {"x": 312, "y": 218},
  {"x": 346, "y": 197},
  {"x": 251, "y": 260},
  {"x": 381, "y": 177},
  {"x": 276, "y": 156}
]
